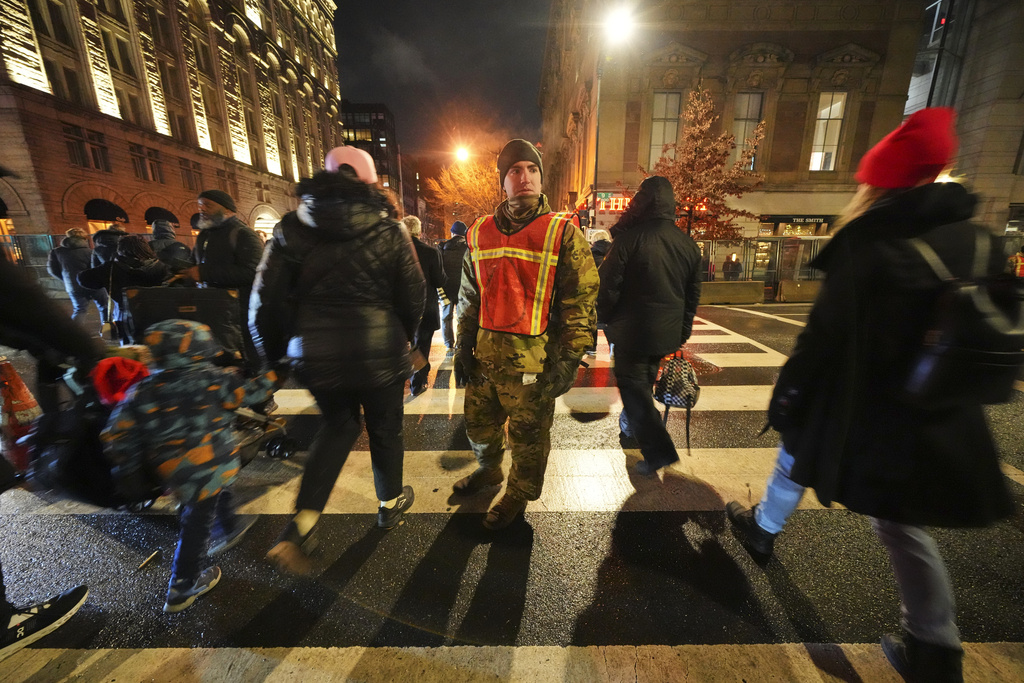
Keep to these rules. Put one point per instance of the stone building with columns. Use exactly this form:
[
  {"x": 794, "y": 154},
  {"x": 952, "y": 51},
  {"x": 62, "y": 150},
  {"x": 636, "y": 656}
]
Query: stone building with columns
[
  {"x": 829, "y": 78},
  {"x": 124, "y": 110}
]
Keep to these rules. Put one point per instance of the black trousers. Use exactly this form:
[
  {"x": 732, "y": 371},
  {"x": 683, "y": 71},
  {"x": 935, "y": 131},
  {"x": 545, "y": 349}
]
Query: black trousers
[
  {"x": 339, "y": 428},
  {"x": 424, "y": 337},
  {"x": 635, "y": 376}
]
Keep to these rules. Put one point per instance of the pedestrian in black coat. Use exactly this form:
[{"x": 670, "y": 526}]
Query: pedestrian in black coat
[
  {"x": 167, "y": 248},
  {"x": 66, "y": 262},
  {"x": 105, "y": 244},
  {"x": 848, "y": 426},
  {"x": 434, "y": 274},
  {"x": 453, "y": 251},
  {"x": 341, "y": 293},
  {"x": 650, "y": 287},
  {"x": 226, "y": 255}
]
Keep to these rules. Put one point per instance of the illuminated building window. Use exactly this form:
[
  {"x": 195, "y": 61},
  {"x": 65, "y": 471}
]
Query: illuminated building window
[
  {"x": 50, "y": 19},
  {"x": 146, "y": 163},
  {"x": 664, "y": 123},
  {"x": 745, "y": 120},
  {"x": 191, "y": 174},
  {"x": 155, "y": 165},
  {"x": 86, "y": 148},
  {"x": 180, "y": 129},
  {"x": 827, "y": 128},
  {"x": 113, "y": 8},
  {"x": 211, "y": 102},
  {"x": 64, "y": 82},
  {"x": 203, "y": 61},
  {"x": 228, "y": 182},
  {"x": 169, "y": 80},
  {"x": 129, "y": 105},
  {"x": 118, "y": 53},
  {"x": 160, "y": 25}
]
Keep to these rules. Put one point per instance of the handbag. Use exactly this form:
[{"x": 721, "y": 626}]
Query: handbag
[
  {"x": 973, "y": 351},
  {"x": 677, "y": 387}
]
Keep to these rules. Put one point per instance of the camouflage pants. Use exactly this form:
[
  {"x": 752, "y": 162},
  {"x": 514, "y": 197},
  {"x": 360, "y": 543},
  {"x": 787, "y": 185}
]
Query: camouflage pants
[{"x": 490, "y": 403}]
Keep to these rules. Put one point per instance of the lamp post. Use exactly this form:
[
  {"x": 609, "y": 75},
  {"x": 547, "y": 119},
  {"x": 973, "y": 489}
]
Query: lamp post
[{"x": 618, "y": 26}]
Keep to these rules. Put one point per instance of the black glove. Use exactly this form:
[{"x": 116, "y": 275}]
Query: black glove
[
  {"x": 470, "y": 366},
  {"x": 561, "y": 377}
]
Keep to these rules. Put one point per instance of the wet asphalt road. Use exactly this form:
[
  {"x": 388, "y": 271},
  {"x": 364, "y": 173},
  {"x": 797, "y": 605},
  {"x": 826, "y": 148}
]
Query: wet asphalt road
[{"x": 560, "y": 578}]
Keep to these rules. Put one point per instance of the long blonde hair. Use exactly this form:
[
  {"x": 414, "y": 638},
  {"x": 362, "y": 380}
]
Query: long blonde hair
[{"x": 863, "y": 199}]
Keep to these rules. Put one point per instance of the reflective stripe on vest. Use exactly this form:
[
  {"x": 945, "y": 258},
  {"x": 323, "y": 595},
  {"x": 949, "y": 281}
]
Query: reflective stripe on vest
[{"x": 516, "y": 273}]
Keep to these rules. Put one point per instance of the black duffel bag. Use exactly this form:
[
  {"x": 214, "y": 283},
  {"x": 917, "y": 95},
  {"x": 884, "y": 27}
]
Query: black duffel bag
[{"x": 218, "y": 309}]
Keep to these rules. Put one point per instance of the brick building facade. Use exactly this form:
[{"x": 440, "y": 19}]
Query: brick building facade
[
  {"x": 829, "y": 78},
  {"x": 123, "y": 110}
]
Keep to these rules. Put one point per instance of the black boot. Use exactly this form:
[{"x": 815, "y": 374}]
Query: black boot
[
  {"x": 752, "y": 536},
  {"x": 920, "y": 662}
]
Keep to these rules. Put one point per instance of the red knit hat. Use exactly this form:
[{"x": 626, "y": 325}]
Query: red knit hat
[
  {"x": 113, "y": 377},
  {"x": 916, "y": 151}
]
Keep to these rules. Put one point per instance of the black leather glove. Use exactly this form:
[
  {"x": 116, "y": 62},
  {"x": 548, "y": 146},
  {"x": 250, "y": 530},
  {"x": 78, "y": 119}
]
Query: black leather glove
[
  {"x": 561, "y": 377},
  {"x": 467, "y": 360}
]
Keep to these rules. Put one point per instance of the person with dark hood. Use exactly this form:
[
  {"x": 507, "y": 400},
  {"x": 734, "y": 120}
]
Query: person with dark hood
[
  {"x": 134, "y": 265},
  {"x": 178, "y": 420},
  {"x": 167, "y": 248},
  {"x": 433, "y": 272},
  {"x": 105, "y": 244},
  {"x": 226, "y": 255},
  {"x": 66, "y": 262},
  {"x": 453, "y": 251},
  {"x": 650, "y": 287},
  {"x": 340, "y": 293},
  {"x": 849, "y": 427},
  {"x": 526, "y": 318},
  {"x": 32, "y": 321}
]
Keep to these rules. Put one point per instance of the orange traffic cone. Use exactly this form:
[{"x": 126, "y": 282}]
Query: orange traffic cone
[{"x": 19, "y": 411}]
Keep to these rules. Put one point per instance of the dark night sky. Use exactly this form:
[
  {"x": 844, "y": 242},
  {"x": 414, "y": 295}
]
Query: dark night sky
[{"x": 419, "y": 57}]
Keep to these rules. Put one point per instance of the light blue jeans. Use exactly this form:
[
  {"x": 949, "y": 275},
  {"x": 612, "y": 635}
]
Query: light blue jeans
[{"x": 926, "y": 595}]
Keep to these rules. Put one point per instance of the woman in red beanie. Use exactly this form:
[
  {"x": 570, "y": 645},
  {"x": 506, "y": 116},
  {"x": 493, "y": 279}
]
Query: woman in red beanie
[{"x": 839, "y": 405}]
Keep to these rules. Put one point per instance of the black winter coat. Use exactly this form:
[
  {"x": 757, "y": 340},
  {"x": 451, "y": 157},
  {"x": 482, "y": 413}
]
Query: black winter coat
[
  {"x": 167, "y": 247},
  {"x": 650, "y": 279},
  {"x": 452, "y": 253},
  {"x": 227, "y": 256},
  {"x": 68, "y": 260},
  {"x": 118, "y": 275},
  {"x": 105, "y": 244},
  {"x": 434, "y": 274},
  {"x": 339, "y": 290},
  {"x": 855, "y": 440}
]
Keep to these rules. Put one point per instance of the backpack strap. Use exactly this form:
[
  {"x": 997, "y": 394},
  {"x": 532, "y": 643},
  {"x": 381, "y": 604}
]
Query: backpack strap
[{"x": 981, "y": 254}]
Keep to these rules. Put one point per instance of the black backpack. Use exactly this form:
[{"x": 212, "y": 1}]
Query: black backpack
[{"x": 973, "y": 350}]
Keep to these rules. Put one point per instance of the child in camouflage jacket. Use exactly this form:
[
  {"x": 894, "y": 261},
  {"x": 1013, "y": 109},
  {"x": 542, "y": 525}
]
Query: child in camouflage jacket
[{"x": 179, "y": 419}]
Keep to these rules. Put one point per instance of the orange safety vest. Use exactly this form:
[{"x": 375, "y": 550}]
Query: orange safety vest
[
  {"x": 516, "y": 273},
  {"x": 1017, "y": 265}
]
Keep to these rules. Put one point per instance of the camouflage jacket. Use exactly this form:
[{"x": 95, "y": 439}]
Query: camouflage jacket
[{"x": 573, "y": 319}]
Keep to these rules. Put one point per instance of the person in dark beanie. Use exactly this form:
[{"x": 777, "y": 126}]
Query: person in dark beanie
[
  {"x": 226, "y": 255},
  {"x": 433, "y": 272},
  {"x": 526, "y": 317},
  {"x": 650, "y": 287},
  {"x": 167, "y": 248},
  {"x": 452, "y": 252},
  {"x": 105, "y": 244},
  {"x": 339, "y": 294},
  {"x": 848, "y": 427},
  {"x": 66, "y": 262}
]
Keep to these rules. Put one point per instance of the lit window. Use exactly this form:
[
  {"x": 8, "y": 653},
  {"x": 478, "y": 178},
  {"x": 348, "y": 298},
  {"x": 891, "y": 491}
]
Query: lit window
[
  {"x": 827, "y": 129},
  {"x": 664, "y": 123},
  {"x": 748, "y": 115}
]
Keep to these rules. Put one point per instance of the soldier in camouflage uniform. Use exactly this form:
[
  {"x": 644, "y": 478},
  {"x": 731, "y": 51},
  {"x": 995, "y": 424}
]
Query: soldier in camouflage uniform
[
  {"x": 526, "y": 317},
  {"x": 179, "y": 420}
]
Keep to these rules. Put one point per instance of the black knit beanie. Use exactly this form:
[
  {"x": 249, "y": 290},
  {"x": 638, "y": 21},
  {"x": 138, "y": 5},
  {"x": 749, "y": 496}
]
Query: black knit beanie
[
  {"x": 515, "y": 151},
  {"x": 219, "y": 196}
]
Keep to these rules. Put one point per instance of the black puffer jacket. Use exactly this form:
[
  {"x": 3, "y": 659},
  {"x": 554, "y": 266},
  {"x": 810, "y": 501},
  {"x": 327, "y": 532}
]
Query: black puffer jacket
[
  {"x": 123, "y": 273},
  {"x": 854, "y": 437},
  {"x": 339, "y": 289},
  {"x": 68, "y": 260},
  {"x": 452, "y": 253},
  {"x": 650, "y": 280},
  {"x": 105, "y": 244},
  {"x": 434, "y": 274},
  {"x": 166, "y": 246}
]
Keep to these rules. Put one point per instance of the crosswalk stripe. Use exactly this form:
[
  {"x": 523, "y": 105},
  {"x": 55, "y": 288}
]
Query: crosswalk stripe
[{"x": 794, "y": 662}]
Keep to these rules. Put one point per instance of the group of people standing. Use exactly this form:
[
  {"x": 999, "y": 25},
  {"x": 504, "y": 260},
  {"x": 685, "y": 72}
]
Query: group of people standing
[{"x": 344, "y": 292}]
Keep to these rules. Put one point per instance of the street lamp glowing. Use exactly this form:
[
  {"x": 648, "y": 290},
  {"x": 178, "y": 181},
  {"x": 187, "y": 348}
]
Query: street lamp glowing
[
  {"x": 618, "y": 26},
  {"x": 462, "y": 154}
]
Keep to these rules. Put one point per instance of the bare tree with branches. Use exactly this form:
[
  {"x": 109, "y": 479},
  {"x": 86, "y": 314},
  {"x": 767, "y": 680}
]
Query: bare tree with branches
[{"x": 465, "y": 191}]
